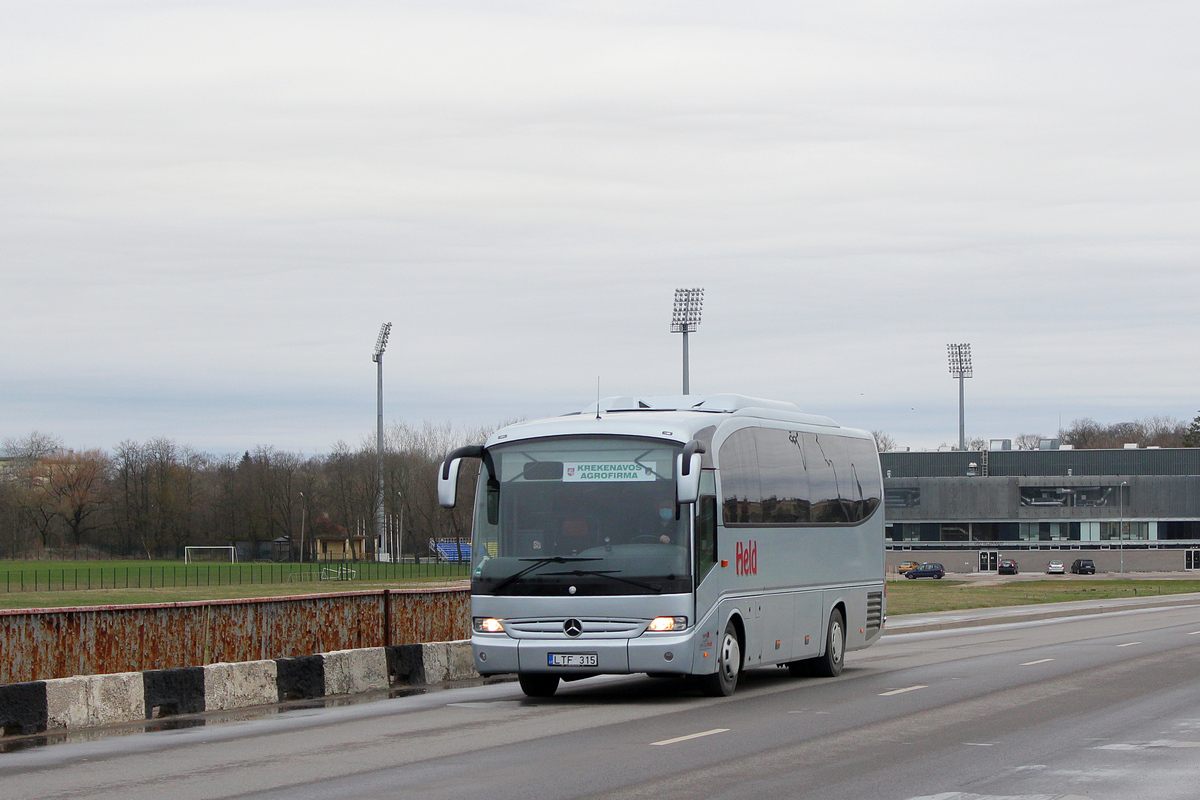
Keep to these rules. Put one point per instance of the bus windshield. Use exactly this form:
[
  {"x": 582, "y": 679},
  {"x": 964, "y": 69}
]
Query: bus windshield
[{"x": 582, "y": 516}]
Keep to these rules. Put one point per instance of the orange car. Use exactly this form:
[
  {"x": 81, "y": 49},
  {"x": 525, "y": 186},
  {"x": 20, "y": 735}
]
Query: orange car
[{"x": 905, "y": 566}]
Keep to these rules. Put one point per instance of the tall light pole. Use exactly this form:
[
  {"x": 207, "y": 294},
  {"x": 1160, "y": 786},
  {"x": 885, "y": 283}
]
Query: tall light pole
[
  {"x": 684, "y": 319},
  {"x": 1121, "y": 524},
  {"x": 303, "y": 508},
  {"x": 960, "y": 367},
  {"x": 377, "y": 357}
]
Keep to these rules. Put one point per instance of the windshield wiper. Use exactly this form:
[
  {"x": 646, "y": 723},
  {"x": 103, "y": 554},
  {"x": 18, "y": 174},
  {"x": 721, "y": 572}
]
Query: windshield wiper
[
  {"x": 537, "y": 562},
  {"x": 608, "y": 573}
]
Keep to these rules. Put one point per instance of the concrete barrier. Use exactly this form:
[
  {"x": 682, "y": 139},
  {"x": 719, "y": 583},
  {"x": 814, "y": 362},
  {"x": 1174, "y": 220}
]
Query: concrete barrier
[
  {"x": 300, "y": 678},
  {"x": 23, "y": 708},
  {"x": 240, "y": 685},
  {"x": 173, "y": 691},
  {"x": 355, "y": 671},
  {"x": 92, "y": 700}
]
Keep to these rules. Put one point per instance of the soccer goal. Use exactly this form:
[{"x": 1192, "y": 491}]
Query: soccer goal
[{"x": 224, "y": 554}]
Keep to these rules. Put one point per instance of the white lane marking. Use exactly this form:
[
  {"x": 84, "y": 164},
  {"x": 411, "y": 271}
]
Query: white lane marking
[
  {"x": 1194, "y": 633},
  {"x": 1128, "y": 644},
  {"x": 1039, "y": 661},
  {"x": 1149, "y": 745},
  {"x": 980, "y": 744},
  {"x": 969, "y": 796},
  {"x": 902, "y": 691},
  {"x": 689, "y": 736}
]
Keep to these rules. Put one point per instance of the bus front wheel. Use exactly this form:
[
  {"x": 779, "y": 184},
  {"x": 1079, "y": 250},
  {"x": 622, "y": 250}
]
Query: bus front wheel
[
  {"x": 729, "y": 665},
  {"x": 537, "y": 684}
]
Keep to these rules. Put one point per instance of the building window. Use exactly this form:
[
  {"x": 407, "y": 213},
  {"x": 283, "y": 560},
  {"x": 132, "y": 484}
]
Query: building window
[
  {"x": 1124, "y": 531},
  {"x": 1072, "y": 496},
  {"x": 902, "y": 498}
]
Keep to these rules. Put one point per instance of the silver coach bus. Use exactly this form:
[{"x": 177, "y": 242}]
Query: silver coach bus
[{"x": 692, "y": 535}]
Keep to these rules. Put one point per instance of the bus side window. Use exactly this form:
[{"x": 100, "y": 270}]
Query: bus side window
[{"x": 706, "y": 535}]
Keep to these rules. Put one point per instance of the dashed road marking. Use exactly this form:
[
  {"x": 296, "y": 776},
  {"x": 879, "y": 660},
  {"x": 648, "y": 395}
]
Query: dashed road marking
[
  {"x": 902, "y": 691},
  {"x": 1128, "y": 644},
  {"x": 1039, "y": 661},
  {"x": 689, "y": 736},
  {"x": 1149, "y": 745}
]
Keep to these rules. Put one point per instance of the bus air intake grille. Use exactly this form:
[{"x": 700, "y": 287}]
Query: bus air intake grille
[{"x": 874, "y": 612}]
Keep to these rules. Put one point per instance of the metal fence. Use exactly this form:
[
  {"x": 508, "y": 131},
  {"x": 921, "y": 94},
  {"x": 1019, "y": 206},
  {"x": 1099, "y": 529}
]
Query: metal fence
[
  {"x": 146, "y": 575},
  {"x": 94, "y": 640}
]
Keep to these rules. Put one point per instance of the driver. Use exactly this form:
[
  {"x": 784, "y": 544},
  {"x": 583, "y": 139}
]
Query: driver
[{"x": 666, "y": 522}]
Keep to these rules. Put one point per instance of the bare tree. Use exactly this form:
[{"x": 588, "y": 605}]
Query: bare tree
[
  {"x": 883, "y": 442},
  {"x": 30, "y": 448},
  {"x": 1028, "y": 441},
  {"x": 76, "y": 488}
]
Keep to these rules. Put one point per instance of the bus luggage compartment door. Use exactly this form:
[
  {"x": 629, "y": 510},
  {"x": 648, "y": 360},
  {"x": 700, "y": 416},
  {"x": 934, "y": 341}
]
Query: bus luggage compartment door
[{"x": 565, "y": 656}]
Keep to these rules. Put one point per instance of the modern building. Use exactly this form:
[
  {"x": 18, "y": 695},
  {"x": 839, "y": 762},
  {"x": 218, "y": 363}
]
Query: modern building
[{"x": 1129, "y": 510}]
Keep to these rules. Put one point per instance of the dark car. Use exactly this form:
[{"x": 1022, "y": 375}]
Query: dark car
[
  {"x": 1007, "y": 567},
  {"x": 1083, "y": 566},
  {"x": 928, "y": 570}
]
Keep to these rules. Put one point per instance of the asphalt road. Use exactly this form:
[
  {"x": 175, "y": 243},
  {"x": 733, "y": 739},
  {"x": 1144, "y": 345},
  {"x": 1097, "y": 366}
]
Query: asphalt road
[{"x": 1105, "y": 706}]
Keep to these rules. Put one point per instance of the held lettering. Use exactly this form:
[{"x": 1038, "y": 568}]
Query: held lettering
[{"x": 746, "y": 556}]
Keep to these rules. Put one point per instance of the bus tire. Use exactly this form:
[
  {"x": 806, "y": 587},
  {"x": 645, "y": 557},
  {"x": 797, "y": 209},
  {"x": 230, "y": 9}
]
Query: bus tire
[
  {"x": 829, "y": 664},
  {"x": 729, "y": 666},
  {"x": 538, "y": 684}
]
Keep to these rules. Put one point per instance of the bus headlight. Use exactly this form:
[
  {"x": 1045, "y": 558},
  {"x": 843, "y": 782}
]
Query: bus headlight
[
  {"x": 668, "y": 624},
  {"x": 487, "y": 625}
]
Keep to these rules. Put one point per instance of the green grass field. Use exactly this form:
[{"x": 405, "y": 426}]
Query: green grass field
[
  {"x": 43, "y": 584},
  {"x": 58, "y": 584},
  {"x": 918, "y": 597}
]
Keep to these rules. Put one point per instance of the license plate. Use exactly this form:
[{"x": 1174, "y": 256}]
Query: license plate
[{"x": 572, "y": 659}]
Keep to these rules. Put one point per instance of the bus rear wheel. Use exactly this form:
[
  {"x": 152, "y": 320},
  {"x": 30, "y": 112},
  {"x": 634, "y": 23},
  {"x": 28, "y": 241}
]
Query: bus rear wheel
[
  {"x": 729, "y": 666},
  {"x": 537, "y": 684},
  {"x": 830, "y": 664}
]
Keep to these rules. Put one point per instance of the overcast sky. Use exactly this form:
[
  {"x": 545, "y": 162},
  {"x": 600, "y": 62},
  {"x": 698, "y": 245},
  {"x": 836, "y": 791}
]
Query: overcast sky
[{"x": 207, "y": 209}]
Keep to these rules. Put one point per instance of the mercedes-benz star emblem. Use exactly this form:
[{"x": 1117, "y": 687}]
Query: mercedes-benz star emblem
[{"x": 572, "y": 627}]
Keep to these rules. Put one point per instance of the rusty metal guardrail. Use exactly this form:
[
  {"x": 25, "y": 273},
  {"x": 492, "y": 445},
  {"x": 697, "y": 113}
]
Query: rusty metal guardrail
[{"x": 37, "y": 644}]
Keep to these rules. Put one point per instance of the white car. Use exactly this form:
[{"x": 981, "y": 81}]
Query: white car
[{"x": 1056, "y": 568}]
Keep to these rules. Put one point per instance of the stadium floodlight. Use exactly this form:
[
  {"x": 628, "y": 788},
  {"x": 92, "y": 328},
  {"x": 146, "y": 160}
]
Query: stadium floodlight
[
  {"x": 685, "y": 318},
  {"x": 960, "y": 368},
  {"x": 380, "y": 345}
]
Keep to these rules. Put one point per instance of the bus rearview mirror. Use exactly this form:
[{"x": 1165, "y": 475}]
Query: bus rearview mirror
[
  {"x": 447, "y": 485},
  {"x": 687, "y": 483}
]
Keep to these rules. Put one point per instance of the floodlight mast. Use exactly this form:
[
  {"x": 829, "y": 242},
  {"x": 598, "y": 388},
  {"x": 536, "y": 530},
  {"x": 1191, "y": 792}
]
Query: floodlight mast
[
  {"x": 377, "y": 357},
  {"x": 960, "y": 368},
  {"x": 685, "y": 317}
]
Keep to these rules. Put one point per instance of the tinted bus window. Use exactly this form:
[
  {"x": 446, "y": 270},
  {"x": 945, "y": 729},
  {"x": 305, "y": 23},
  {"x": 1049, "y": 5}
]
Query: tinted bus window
[
  {"x": 828, "y": 468},
  {"x": 781, "y": 476},
  {"x": 741, "y": 497},
  {"x": 774, "y": 476}
]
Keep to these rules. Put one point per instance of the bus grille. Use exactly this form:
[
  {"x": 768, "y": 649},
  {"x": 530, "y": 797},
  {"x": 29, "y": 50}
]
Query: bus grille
[
  {"x": 592, "y": 627},
  {"x": 874, "y": 613}
]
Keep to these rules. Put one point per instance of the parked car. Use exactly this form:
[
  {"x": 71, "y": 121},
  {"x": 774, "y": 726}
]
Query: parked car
[
  {"x": 927, "y": 570},
  {"x": 1083, "y": 566},
  {"x": 905, "y": 566},
  {"x": 1007, "y": 567},
  {"x": 1056, "y": 568}
]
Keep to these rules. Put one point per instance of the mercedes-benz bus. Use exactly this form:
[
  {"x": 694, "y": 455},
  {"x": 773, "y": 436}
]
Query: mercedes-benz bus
[{"x": 691, "y": 536}]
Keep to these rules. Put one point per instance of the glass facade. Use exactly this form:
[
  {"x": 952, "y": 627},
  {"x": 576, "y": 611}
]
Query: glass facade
[{"x": 1127, "y": 531}]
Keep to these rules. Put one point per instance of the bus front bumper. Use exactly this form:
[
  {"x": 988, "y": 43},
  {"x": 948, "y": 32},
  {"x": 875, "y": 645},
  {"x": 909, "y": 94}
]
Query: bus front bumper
[{"x": 657, "y": 653}]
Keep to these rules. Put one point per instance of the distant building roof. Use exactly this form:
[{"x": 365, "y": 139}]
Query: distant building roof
[{"x": 952, "y": 464}]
